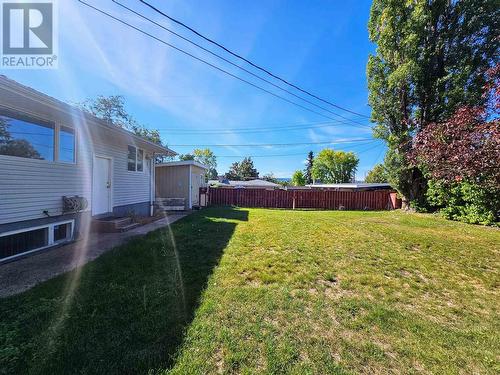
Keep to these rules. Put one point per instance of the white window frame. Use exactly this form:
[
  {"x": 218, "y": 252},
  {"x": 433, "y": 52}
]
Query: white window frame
[
  {"x": 58, "y": 139},
  {"x": 136, "y": 159},
  {"x": 50, "y": 237}
]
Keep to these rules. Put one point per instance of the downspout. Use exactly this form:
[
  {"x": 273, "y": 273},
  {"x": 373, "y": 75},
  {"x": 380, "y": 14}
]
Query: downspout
[
  {"x": 190, "y": 189},
  {"x": 152, "y": 189}
]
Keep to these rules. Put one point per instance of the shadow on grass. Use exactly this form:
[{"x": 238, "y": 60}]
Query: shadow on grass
[{"x": 128, "y": 310}]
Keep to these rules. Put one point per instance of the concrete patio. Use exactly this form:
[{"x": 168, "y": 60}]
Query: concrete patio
[{"x": 23, "y": 274}]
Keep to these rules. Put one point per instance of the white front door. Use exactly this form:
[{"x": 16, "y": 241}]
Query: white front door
[{"x": 101, "y": 192}]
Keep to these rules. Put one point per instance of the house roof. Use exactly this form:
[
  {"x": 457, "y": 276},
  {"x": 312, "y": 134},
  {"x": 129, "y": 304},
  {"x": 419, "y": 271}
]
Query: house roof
[
  {"x": 28, "y": 92},
  {"x": 249, "y": 183},
  {"x": 182, "y": 162},
  {"x": 362, "y": 185}
]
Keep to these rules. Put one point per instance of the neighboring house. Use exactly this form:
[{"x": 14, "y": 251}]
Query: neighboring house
[
  {"x": 250, "y": 184},
  {"x": 352, "y": 186},
  {"x": 50, "y": 150},
  {"x": 180, "y": 179}
]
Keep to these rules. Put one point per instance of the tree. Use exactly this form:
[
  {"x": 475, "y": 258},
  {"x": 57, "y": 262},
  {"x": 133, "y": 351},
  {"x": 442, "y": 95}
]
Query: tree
[
  {"x": 309, "y": 166},
  {"x": 335, "y": 166},
  {"x": 377, "y": 175},
  {"x": 15, "y": 147},
  {"x": 243, "y": 170},
  {"x": 206, "y": 157},
  {"x": 298, "y": 178},
  {"x": 185, "y": 157},
  {"x": 461, "y": 158},
  {"x": 270, "y": 177},
  {"x": 430, "y": 60},
  {"x": 112, "y": 110},
  {"x": 19, "y": 147}
]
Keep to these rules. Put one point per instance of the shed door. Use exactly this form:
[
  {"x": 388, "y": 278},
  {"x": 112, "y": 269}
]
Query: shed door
[
  {"x": 195, "y": 188},
  {"x": 101, "y": 194}
]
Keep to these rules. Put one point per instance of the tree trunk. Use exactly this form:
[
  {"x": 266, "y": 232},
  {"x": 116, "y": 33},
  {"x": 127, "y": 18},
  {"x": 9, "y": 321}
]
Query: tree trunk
[{"x": 413, "y": 195}]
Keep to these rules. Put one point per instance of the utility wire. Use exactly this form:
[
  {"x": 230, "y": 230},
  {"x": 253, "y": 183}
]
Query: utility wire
[
  {"x": 275, "y": 144},
  {"x": 203, "y": 61},
  {"x": 250, "y": 62},
  {"x": 286, "y": 155},
  {"x": 233, "y": 64},
  {"x": 244, "y": 130}
]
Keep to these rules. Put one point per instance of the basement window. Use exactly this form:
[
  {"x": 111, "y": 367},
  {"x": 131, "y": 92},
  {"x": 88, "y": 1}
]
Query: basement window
[{"x": 28, "y": 240}]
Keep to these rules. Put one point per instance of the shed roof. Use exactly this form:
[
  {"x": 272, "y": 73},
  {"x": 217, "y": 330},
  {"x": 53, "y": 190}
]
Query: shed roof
[{"x": 182, "y": 162}]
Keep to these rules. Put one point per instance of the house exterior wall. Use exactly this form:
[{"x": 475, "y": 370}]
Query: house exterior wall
[
  {"x": 29, "y": 186},
  {"x": 173, "y": 182}
]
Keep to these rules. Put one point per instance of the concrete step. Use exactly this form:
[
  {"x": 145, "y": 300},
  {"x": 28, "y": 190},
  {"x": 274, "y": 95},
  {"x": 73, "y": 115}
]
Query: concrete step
[
  {"x": 110, "y": 225},
  {"x": 122, "y": 221},
  {"x": 127, "y": 227}
]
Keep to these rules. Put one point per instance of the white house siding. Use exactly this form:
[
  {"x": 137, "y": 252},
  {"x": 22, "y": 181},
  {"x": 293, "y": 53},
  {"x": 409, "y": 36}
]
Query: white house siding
[{"x": 29, "y": 186}]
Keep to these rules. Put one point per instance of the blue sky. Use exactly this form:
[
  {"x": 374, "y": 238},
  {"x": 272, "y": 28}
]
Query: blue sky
[{"x": 322, "y": 46}]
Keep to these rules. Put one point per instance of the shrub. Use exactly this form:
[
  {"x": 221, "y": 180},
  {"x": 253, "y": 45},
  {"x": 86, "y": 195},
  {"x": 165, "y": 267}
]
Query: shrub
[{"x": 465, "y": 201}]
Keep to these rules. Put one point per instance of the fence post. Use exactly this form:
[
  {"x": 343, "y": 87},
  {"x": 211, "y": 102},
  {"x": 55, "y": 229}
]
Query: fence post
[{"x": 293, "y": 201}]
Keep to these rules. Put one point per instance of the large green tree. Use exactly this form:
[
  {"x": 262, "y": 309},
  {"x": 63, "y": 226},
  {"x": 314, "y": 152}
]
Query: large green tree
[
  {"x": 334, "y": 167},
  {"x": 430, "y": 59},
  {"x": 204, "y": 156},
  {"x": 112, "y": 110},
  {"x": 207, "y": 157},
  {"x": 377, "y": 174},
  {"x": 243, "y": 170}
]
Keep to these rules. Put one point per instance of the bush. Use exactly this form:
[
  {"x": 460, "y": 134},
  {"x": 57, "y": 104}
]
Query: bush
[{"x": 465, "y": 201}]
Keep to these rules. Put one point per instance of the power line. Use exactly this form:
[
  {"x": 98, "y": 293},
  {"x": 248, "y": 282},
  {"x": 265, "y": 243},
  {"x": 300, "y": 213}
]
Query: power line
[
  {"x": 287, "y": 155},
  {"x": 233, "y": 64},
  {"x": 204, "y": 61},
  {"x": 276, "y": 144},
  {"x": 247, "y": 130},
  {"x": 250, "y": 62}
]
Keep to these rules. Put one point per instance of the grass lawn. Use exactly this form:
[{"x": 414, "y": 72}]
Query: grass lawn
[{"x": 270, "y": 291}]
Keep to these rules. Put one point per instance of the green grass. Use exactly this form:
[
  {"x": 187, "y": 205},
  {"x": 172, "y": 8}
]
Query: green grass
[{"x": 271, "y": 291}]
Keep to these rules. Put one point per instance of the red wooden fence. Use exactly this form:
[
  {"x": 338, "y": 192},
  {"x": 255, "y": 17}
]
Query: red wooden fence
[{"x": 320, "y": 199}]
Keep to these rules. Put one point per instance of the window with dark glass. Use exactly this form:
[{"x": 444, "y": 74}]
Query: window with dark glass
[
  {"x": 18, "y": 243},
  {"x": 140, "y": 160},
  {"x": 62, "y": 232},
  {"x": 66, "y": 144},
  {"x": 26, "y": 138},
  {"x": 132, "y": 158}
]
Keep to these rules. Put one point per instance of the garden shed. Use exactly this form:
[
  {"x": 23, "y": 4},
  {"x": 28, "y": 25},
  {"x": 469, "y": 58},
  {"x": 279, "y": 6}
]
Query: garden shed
[{"x": 180, "y": 180}]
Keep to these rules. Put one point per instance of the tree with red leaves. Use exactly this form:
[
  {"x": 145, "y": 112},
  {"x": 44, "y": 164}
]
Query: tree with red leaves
[{"x": 465, "y": 148}]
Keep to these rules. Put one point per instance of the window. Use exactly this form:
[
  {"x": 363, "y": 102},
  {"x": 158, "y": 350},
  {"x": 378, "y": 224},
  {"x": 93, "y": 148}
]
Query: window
[
  {"x": 66, "y": 144},
  {"x": 62, "y": 232},
  {"x": 28, "y": 240},
  {"x": 26, "y": 138},
  {"x": 19, "y": 243},
  {"x": 140, "y": 160},
  {"x": 135, "y": 159},
  {"x": 131, "y": 159}
]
